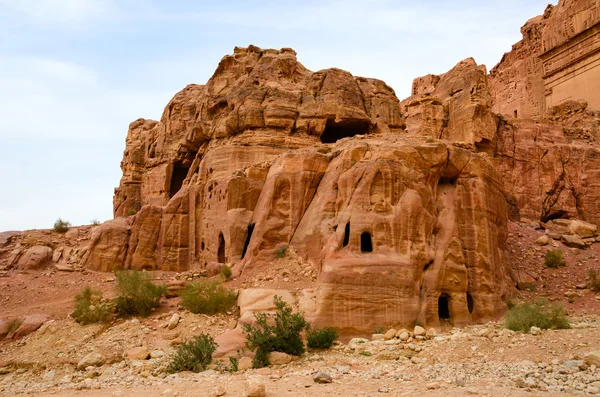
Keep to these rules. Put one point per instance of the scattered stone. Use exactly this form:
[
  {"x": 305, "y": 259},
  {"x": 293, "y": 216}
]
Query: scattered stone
[
  {"x": 390, "y": 334},
  {"x": 592, "y": 358},
  {"x": 322, "y": 377},
  {"x": 174, "y": 321},
  {"x": 219, "y": 391},
  {"x": 419, "y": 331},
  {"x": 582, "y": 229},
  {"x": 543, "y": 240},
  {"x": 535, "y": 331},
  {"x": 94, "y": 359},
  {"x": 573, "y": 241},
  {"x": 244, "y": 364},
  {"x": 278, "y": 358},
  {"x": 431, "y": 333},
  {"x": 255, "y": 387},
  {"x": 378, "y": 337},
  {"x": 137, "y": 353}
]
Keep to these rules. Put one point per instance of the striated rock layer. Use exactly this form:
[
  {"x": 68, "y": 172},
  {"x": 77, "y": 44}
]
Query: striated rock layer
[{"x": 402, "y": 226}]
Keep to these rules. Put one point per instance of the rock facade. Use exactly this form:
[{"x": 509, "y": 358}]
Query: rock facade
[
  {"x": 401, "y": 226},
  {"x": 556, "y": 61}
]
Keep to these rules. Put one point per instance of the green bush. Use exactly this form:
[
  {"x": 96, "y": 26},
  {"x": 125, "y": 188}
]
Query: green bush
[
  {"x": 137, "y": 293},
  {"x": 234, "y": 363},
  {"x": 554, "y": 259},
  {"x": 280, "y": 251},
  {"x": 379, "y": 330},
  {"x": 321, "y": 338},
  {"x": 284, "y": 336},
  {"x": 94, "y": 222},
  {"x": 207, "y": 298},
  {"x": 541, "y": 314},
  {"x": 194, "y": 355},
  {"x": 89, "y": 307},
  {"x": 61, "y": 226},
  {"x": 226, "y": 272},
  {"x": 594, "y": 280}
]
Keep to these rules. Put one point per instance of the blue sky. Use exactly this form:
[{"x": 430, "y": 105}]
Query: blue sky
[{"x": 75, "y": 73}]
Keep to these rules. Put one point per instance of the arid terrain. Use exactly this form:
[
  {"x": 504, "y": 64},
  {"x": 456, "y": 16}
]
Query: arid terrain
[{"x": 416, "y": 224}]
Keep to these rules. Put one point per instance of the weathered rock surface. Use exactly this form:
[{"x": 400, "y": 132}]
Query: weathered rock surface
[
  {"x": 255, "y": 160},
  {"x": 35, "y": 257}
]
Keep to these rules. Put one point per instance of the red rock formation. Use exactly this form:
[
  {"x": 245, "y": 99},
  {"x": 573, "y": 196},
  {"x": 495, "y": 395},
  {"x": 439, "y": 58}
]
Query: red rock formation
[
  {"x": 255, "y": 160},
  {"x": 557, "y": 60}
]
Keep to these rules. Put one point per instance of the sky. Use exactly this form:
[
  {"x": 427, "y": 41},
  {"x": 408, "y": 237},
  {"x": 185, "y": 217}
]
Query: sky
[{"x": 75, "y": 73}]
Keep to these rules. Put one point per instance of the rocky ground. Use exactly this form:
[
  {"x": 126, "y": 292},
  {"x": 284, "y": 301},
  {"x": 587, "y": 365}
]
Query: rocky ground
[{"x": 483, "y": 360}]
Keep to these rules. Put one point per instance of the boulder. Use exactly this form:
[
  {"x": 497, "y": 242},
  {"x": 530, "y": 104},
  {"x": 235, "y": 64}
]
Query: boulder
[
  {"x": 390, "y": 334},
  {"x": 419, "y": 331},
  {"x": 244, "y": 364},
  {"x": 35, "y": 257},
  {"x": 542, "y": 240},
  {"x": 30, "y": 324},
  {"x": 583, "y": 229},
  {"x": 94, "y": 359},
  {"x": 278, "y": 358},
  {"x": 173, "y": 321},
  {"x": 573, "y": 241},
  {"x": 592, "y": 358},
  {"x": 255, "y": 387},
  {"x": 137, "y": 353}
]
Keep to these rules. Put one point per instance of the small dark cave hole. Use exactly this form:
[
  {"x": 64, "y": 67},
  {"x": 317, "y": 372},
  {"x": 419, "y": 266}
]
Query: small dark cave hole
[
  {"x": 248, "y": 237},
  {"x": 202, "y": 246},
  {"x": 177, "y": 178},
  {"x": 444, "y": 307},
  {"x": 485, "y": 146},
  {"x": 470, "y": 303},
  {"x": 343, "y": 129},
  {"x": 427, "y": 266},
  {"x": 221, "y": 252},
  {"x": 447, "y": 181},
  {"x": 554, "y": 215},
  {"x": 366, "y": 245},
  {"x": 346, "y": 235}
]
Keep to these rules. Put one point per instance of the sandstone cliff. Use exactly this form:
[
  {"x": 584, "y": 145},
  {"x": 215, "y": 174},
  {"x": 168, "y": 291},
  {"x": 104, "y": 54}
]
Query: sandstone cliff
[{"x": 256, "y": 160}]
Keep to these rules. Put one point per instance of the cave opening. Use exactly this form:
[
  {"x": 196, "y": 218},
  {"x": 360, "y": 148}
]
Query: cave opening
[
  {"x": 248, "y": 237},
  {"x": 366, "y": 244},
  {"x": 444, "y": 307},
  {"x": 221, "y": 251},
  {"x": 177, "y": 177},
  {"x": 470, "y": 303},
  {"x": 346, "y": 235},
  {"x": 335, "y": 131},
  {"x": 550, "y": 216}
]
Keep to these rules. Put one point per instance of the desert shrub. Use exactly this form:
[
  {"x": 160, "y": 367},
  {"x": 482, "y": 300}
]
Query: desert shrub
[
  {"x": 131, "y": 212},
  {"x": 61, "y": 226},
  {"x": 284, "y": 336},
  {"x": 541, "y": 314},
  {"x": 89, "y": 307},
  {"x": 379, "y": 330},
  {"x": 207, "y": 297},
  {"x": 194, "y": 355},
  {"x": 594, "y": 280},
  {"x": 137, "y": 293},
  {"x": 234, "y": 363},
  {"x": 280, "y": 251},
  {"x": 94, "y": 222},
  {"x": 226, "y": 272},
  {"x": 554, "y": 259},
  {"x": 321, "y": 338}
]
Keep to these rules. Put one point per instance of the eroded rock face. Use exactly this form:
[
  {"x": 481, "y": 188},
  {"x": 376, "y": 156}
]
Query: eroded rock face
[{"x": 401, "y": 226}]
